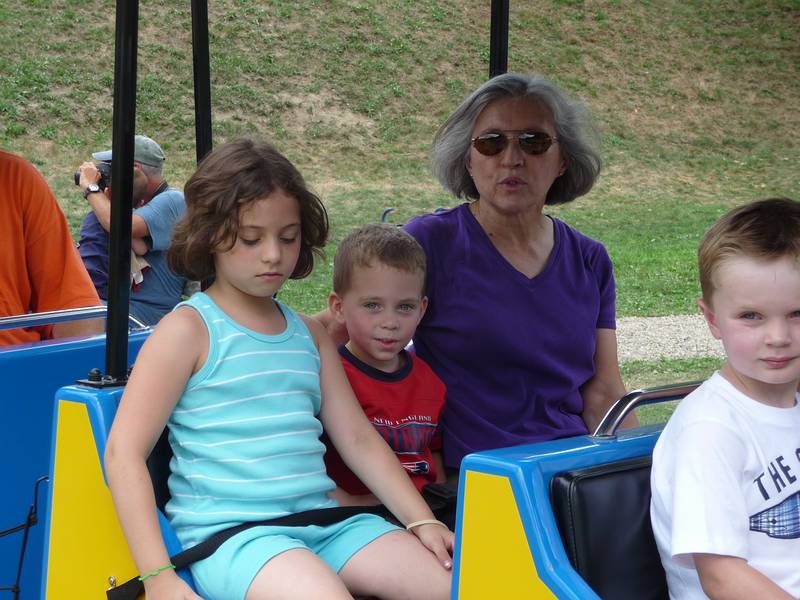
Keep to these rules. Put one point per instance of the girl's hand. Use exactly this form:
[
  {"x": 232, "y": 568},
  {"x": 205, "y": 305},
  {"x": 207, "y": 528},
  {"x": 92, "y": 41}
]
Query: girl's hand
[
  {"x": 438, "y": 540},
  {"x": 168, "y": 586}
]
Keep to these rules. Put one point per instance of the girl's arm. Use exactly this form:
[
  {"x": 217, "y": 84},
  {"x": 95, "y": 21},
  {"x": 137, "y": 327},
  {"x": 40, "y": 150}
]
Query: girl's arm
[
  {"x": 175, "y": 349},
  {"x": 366, "y": 453},
  {"x": 337, "y": 331},
  {"x": 730, "y": 577},
  {"x": 346, "y": 499},
  {"x": 606, "y": 387}
]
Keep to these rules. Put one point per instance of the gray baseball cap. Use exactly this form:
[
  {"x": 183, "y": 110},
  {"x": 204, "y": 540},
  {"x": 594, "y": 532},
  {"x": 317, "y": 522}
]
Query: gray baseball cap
[{"x": 145, "y": 151}]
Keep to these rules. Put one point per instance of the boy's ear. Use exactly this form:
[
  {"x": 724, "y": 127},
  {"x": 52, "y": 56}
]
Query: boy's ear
[
  {"x": 335, "y": 306},
  {"x": 710, "y": 317},
  {"x": 423, "y": 306}
]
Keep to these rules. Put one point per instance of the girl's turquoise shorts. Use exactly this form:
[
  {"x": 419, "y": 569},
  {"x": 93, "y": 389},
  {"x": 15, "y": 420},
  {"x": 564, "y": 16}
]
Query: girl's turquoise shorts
[{"x": 228, "y": 573}]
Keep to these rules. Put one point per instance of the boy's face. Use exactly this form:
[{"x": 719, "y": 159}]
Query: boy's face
[
  {"x": 381, "y": 311},
  {"x": 755, "y": 311}
]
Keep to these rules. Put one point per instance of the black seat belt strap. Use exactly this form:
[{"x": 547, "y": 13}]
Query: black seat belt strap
[{"x": 132, "y": 589}]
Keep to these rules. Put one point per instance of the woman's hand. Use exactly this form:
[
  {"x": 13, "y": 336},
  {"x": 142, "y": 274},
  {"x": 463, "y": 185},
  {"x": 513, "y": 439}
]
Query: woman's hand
[{"x": 437, "y": 539}]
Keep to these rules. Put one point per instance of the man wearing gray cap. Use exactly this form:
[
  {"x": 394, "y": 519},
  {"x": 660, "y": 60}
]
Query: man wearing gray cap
[{"x": 158, "y": 208}]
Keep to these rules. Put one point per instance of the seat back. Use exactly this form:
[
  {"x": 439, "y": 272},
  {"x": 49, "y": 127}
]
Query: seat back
[
  {"x": 603, "y": 516},
  {"x": 158, "y": 466},
  {"x": 31, "y": 375}
]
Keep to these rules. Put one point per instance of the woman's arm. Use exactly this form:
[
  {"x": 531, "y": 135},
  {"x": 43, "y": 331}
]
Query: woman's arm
[
  {"x": 731, "y": 578},
  {"x": 366, "y": 453},
  {"x": 606, "y": 387},
  {"x": 165, "y": 363}
]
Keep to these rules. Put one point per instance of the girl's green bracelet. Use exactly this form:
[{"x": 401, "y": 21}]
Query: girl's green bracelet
[{"x": 156, "y": 572}]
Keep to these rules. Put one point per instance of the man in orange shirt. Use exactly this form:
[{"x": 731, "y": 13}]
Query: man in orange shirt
[{"x": 40, "y": 269}]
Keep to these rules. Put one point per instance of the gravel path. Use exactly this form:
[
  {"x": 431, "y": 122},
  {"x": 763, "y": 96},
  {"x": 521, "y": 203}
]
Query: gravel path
[{"x": 651, "y": 338}]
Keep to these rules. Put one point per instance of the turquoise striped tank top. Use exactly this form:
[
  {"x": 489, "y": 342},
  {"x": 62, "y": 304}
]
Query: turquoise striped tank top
[{"x": 245, "y": 433}]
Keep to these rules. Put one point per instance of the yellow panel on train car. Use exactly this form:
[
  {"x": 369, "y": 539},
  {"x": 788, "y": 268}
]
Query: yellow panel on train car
[
  {"x": 496, "y": 560},
  {"x": 86, "y": 541}
]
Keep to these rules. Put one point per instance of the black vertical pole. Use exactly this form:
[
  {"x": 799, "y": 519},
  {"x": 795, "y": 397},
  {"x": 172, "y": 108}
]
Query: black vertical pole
[
  {"x": 202, "y": 78},
  {"x": 119, "y": 251},
  {"x": 498, "y": 45}
]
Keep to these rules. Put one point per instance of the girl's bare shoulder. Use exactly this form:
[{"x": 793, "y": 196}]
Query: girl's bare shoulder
[{"x": 182, "y": 328}]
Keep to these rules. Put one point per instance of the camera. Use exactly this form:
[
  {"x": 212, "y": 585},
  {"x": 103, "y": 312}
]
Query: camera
[{"x": 105, "y": 175}]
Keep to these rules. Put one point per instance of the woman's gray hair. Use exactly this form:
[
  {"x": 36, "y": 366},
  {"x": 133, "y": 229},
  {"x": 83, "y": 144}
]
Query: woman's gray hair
[{"x": 577, "y": 138}]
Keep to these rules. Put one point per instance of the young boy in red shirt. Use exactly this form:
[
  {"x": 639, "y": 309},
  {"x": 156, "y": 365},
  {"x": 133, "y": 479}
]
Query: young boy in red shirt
[{"x": 378, "y": 295}]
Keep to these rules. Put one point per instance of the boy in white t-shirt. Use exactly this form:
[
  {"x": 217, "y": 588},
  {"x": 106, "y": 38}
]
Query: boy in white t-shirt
[{"x": 726, "y": 469}]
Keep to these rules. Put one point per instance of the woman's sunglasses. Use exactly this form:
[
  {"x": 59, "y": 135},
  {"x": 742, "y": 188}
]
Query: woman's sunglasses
[{"x": 530, "y": 142}]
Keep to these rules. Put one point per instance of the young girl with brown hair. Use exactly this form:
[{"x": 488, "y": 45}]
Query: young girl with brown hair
[{"x": 245, "y": 386}]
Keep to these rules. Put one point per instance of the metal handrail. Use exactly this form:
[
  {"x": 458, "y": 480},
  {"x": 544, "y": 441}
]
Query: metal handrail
[
  {"x": 51, "y": 317},
  {"x": 622, "y": 407}
]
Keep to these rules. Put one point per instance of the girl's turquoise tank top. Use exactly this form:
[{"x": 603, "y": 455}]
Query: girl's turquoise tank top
[{"x": 245, "y": 432}]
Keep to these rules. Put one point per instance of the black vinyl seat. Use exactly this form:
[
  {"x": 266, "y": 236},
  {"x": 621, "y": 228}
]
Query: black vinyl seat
[
  {"x": 603, "y": 515},
  {"x": 158, "y": 466}
]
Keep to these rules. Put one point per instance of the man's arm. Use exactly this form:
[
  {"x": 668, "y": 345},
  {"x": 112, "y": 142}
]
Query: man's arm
[
  {"x": 139, "y": 246},
  {"x": 101, "y": 204},
  {"x": 160, "y": 215},
  {"x": 80, "y": 328},
  {"x": 56, "y": 273}
]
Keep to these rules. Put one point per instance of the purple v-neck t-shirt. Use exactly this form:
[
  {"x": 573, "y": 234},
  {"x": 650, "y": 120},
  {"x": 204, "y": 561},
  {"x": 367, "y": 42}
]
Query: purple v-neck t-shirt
[{"x": 512, "y": 350}]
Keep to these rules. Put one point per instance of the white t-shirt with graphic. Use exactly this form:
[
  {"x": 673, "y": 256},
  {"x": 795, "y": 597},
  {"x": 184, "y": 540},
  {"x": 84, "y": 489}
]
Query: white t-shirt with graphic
[{"x": 726, "y": 480}]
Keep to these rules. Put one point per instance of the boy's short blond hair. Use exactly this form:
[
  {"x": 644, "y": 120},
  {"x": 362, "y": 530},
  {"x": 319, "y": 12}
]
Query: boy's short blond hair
[
  {"x": 764, "y": 229},
  {"x": 377, "y": 242}
]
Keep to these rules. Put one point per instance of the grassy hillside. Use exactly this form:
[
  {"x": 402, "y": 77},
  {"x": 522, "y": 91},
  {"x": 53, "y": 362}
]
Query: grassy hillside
[{"x": 697, "y": 103}]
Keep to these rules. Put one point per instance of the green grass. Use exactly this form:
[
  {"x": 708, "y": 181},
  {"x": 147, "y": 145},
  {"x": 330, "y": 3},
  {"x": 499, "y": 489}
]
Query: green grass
[
  {"x": 695, "y": 100},
  {"x": 639, "y": 374}
]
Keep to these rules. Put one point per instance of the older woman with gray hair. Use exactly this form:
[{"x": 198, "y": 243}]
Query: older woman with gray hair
[{"x": 521, "y": 319}]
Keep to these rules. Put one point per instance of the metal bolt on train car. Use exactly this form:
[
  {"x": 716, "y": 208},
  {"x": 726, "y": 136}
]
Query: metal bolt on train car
[{"x": 538, "y": 521}]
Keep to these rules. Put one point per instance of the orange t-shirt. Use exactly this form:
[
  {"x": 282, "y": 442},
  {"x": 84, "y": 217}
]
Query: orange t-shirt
[{"x": 40, "y": 268}]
